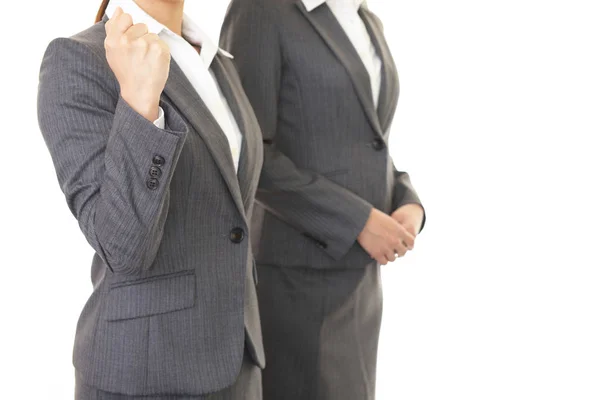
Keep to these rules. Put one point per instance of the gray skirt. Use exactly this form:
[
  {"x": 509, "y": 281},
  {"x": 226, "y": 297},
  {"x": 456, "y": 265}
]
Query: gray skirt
[{"x": 321, "y": 332}]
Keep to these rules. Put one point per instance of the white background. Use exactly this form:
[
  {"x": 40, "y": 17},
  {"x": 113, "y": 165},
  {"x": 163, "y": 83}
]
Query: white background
[{"x": 498, "y": 124}]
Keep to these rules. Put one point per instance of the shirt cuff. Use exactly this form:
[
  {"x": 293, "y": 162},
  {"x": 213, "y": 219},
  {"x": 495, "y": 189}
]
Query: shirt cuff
[{"x": 160, "y": 121}]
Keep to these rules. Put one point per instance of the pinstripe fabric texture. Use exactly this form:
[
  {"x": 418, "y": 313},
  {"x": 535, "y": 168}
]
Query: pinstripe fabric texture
[
  {"x": 326, "y": 157},
  {"x": 174, "y": 301},
  {"x": 247, "y": 386}
]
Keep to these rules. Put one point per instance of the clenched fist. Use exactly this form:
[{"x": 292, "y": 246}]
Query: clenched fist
[
  {"x": 384, "y": 238},
  {"x": 140, "y": 61}
]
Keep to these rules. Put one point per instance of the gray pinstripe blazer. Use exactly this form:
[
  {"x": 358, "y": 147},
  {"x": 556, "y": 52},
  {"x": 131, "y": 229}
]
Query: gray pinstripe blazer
[
  {"x": 326, "y": 156},
  {"x": 174, "y": 294}
]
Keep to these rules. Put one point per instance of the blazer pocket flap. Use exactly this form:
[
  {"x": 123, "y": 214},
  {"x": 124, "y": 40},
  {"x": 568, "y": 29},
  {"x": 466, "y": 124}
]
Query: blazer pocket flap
[{"x": 151, "y": 296}]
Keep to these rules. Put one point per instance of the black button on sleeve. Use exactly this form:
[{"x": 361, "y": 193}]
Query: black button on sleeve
[
  {"x": 155, "y": 172},
  {"x": 236, "y": 235},
  {"x": 158, "y": 160},
  {"x": 152, "y": 183}
]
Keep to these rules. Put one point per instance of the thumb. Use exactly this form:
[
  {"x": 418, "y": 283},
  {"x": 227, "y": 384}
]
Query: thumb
[{"x": 117, "y": 12}]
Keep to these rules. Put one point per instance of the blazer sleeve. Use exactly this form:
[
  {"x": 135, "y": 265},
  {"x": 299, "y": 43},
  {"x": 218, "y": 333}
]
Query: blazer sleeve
[
  {"x": 103, "y": 152},
  {"x": 322, "y": 210},
  {"x": 404, "y": 193}
]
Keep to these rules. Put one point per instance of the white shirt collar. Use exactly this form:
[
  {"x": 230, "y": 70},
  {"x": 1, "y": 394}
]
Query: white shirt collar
[
  {"x": 189, "y": 30},
  {"x": 312, "y": 4}
]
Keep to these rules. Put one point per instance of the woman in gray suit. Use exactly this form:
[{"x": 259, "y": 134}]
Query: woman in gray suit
[
  {"x": 158, "y": 153},
  {"x": 331, "y": 206}
]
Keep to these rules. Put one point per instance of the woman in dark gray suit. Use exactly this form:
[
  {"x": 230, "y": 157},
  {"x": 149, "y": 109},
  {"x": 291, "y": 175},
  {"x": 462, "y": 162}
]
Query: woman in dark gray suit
[
  {"x": 331, "y": 206},
  {"x": 158, "y": 154}
]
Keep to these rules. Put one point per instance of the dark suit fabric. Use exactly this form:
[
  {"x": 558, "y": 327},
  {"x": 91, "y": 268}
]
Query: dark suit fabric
[
  {"x": 326, "y": 166},
  {"x": 321, "y": 330}
]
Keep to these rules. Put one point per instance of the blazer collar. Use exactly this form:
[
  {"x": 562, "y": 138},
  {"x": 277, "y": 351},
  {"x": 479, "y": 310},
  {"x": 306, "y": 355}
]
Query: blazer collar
[
  {"x": 390, "y": 89},
  {"x": 312, "y": 4},
  {"x": 242, "y": 111}
]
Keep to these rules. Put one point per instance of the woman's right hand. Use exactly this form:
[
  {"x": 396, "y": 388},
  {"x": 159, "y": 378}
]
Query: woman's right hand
[{"x": 140, "y": 61}]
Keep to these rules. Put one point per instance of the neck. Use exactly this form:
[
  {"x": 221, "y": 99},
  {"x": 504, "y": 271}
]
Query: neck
[{"x": 167, "y": 12}]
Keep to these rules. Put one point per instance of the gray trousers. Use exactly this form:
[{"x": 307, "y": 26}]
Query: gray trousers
[
  {"x": 321, "y": 331},
  {"x": 246, "y": 387}
]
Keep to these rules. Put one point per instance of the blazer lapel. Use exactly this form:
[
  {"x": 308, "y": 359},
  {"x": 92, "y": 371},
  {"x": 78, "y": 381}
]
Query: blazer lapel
[
  {"x": 325, "y": 23},
  {"x": 180, "y": 91},
  {"x": 388, "y": 95},
  {"x": 242, "y": 112}
]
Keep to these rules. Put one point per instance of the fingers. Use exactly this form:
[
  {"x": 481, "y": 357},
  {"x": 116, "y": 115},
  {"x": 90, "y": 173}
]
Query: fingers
[
  {"x": 122, "y": 23},
  {"x": 135, "y": 32},
  {"x": 406, "y": 237},
  {"x": 385, "y": 239},
  {"x": 152, "y": 38},
  {"x": 118, "y": 12},
  {"x": 395, "y": 246},
  {"x": 155, "y": 43},
  {"x": 118, "y": 24},
  {"x": 390, "y": 255},
  {"x": 400, "y": 249},
  {"x": 413, "y": 230},
  {"x": 381, "y": 259},
  {"x": 136, "y": 35},
  {"x": 157, "y": 47},
  {"x": 386, "y": 254}
]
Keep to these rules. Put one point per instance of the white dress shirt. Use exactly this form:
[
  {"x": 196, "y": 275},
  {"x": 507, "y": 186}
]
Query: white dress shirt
[
  {"x": 346, "y": 12},
  {"x": 195, "y": 66}
]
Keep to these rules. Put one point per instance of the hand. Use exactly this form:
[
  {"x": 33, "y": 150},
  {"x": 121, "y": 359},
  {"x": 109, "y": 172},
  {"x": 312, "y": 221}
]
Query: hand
[
  {"x": 384, "y": 238},
  {"x": 140, "y": 61},
  {"x": 410, "y": 216}
]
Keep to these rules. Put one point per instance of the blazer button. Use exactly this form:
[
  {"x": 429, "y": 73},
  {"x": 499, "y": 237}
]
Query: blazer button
[
  {"x": 155, "y": 172},
  {"x": 378, "y": 144},
  {"x": 236, "y": 235},
  {"x": 152, "y": 184},
  {"x": 158, "y": 160}
]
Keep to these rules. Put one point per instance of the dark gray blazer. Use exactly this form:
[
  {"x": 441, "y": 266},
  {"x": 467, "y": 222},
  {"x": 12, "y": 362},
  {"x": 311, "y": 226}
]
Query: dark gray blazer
[
  {"x": 326, "y": 155},
  {"x": 174, "y": 293}
]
